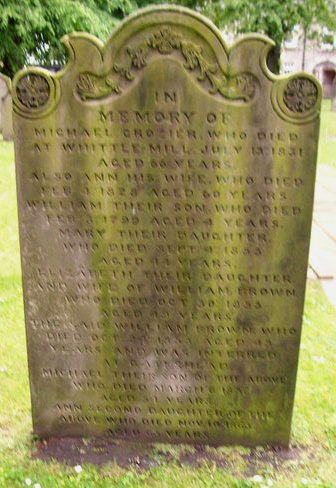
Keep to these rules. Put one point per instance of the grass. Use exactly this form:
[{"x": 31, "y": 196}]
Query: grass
[
  {"x": 312, "y": 458},
  {"x": 327, "y": 145}
]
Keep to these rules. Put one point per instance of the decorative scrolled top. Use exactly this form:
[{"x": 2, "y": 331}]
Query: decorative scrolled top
[
  {"x": 98, "y": 73},
  {"x": 167, "y": 41}
]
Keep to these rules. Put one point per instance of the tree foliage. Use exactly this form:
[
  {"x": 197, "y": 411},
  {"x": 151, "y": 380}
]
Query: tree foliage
[
  {"x": 30, "y": 30},
  {"x": 274, "y": 18}
]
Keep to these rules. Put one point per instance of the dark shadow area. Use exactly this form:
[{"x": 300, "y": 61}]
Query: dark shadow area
[
  {"x": 273, "y": 59},
  {"x": 98, "y": 451}
]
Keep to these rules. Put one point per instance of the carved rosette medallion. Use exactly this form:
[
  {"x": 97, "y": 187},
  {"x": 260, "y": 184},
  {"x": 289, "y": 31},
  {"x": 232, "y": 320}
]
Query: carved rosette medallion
[
  {"x": 166, "y": 41},
  {"x": 35, "y": 92},
  {"x": 296, "y": 99},
  {"x": 300, "y": 95}
]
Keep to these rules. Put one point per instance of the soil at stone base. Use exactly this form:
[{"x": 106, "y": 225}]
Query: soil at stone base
[{"x": 101, "y": 450}]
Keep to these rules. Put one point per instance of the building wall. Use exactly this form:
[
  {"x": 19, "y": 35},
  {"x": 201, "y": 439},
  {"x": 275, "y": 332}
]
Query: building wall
[{"x": 320, "y": 60}]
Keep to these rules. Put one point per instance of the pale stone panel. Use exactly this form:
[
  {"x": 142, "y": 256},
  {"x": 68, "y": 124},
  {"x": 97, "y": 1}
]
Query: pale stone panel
[{"x": 6, "y": 109}]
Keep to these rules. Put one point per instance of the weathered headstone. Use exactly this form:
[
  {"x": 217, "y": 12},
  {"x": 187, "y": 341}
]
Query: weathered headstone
[
  {"x": 165, "y": 187},
  {"x": 6, "y": 108}
]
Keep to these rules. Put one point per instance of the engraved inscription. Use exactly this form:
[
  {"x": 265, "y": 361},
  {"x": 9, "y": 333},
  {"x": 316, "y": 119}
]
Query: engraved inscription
[{"x": 165, "y": 236}]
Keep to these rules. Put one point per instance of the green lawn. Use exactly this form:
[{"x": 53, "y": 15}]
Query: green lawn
[
  {"x": 327, "y": 145},
  {"x": 310, "y": 462}
]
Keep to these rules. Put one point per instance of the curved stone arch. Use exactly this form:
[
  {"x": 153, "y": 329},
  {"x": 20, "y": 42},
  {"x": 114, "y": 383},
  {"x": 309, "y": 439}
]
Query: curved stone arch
[
  {"x": 326, "y": 64},
  {"x": 98, "y": 72},
  {"x": 325, "y": 71},
  {"x": 172, "y": 32}
]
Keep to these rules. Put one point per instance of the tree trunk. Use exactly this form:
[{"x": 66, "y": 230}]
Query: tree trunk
[{"x": 304, "y": 48}]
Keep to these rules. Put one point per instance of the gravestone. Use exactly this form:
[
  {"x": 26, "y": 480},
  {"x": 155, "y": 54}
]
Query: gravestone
[
  {"x": 6, "y": 108},
  {"x": 165, "y": 187}
]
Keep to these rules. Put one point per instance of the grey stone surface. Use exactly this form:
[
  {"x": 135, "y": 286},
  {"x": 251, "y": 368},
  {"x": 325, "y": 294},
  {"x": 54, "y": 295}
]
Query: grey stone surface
[
  {"x": 322, "y": 254},
  {"x": 6, "y": 116},
  {"x": 165, "y": 187}
]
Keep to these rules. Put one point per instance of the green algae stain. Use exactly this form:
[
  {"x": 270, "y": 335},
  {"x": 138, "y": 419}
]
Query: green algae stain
[{"x": 183, "y": 234}]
